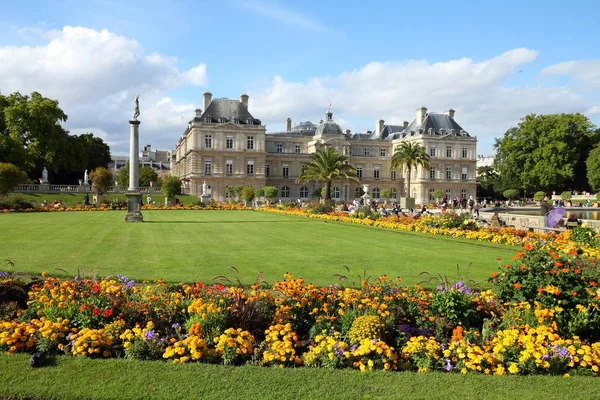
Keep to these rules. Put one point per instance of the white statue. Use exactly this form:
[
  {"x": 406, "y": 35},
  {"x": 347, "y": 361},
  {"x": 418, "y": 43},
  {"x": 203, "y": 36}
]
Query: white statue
[
  {"x": 85, "y": 177},
  {"x": 44, "y": 175},
  {"x": 204, "y": 189}
]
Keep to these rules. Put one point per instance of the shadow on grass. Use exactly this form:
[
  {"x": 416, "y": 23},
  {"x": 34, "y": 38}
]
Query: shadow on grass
[{"x": 225, "y": 222}]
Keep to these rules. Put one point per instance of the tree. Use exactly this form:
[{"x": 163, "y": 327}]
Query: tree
[
  {"x": 593, "y": 168},
  {"x": 171, "y": 186},
  {"x": 546, "y": 152},
  {"x": 328, "y": 165},
  {"x": 386, "y": 194},
  {"x": 146, "y": 175},
  {"x": 438, "y": 194},
  {"x": 248, "y": 194},
  {"x": 488, "y": 182},
  {"x": 260, "y": 192},
  {"x": 511, "y": 194},
  {"x": 237, "y": 191},
  {"x": 31, "y": 137},
  {"x": 101, "y": 180},
  {"x": 10, "y": 176},
  {"x": 270, "y": 192},
  {"x": 566, "y": 196},
  {"x": 409, "y": 155}
]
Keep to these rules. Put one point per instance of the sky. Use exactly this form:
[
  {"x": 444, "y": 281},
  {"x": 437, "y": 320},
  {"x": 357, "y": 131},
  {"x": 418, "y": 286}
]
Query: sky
[{"x": 492, "y": 62}]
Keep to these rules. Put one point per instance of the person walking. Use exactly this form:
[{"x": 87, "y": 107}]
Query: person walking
[{"x": 545, "y": 208}]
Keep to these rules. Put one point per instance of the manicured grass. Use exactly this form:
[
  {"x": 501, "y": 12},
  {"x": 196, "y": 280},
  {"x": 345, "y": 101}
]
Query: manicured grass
[
  {"x": 78, "y": 378},
  {"x": 76, "y": 199},
  {"x": 198, "y": 245}
]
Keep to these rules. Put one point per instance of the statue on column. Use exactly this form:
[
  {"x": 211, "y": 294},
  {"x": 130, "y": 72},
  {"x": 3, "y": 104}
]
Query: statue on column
[
  {"x": 136, "y": 111},
  {"x": 45, "y": 175},
  {"x": 86, "y": 178},
  {"x": 204, "y": 189}
]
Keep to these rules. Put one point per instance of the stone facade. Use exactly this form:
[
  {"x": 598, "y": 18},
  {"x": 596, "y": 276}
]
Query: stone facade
[{"x": 226, "y": 146}]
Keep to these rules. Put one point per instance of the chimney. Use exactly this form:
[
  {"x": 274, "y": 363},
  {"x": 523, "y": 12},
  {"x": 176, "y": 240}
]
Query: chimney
[
  {"x": 288, "y": 124},
  {"x": 348, "y": 131},
  {"x": 378, "y": 127},
  {"x": 451, "y": 112},
  {"x": 198, "y": 112},
  {"x": 405, "y": 123},
  {"x": 207, "y": 100},
  {"x": 421, "y": 115},
  {"x": 244, "y": 99}
]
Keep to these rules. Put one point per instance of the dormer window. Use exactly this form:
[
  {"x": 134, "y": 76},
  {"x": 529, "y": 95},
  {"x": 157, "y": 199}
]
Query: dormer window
[
  {"x": 207, "y": 119},
  {"x": 222, "y": 120},
  {"x": 250, "y": 121}
]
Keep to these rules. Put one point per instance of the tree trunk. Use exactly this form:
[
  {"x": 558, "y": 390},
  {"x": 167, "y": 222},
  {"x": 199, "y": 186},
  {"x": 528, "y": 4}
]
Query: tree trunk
[
  {"x": 408, "y": 183},
  {"x": 328, "y": 190}
]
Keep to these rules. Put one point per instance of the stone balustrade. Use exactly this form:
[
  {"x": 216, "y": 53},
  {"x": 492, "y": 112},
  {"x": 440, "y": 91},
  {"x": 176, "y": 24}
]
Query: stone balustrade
[{"x": 34, "y": 188}]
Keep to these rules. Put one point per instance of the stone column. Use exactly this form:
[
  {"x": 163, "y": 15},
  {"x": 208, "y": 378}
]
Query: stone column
[{"x": 134, "y": 197}]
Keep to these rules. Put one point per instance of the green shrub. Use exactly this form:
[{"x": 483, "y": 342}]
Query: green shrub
[
  {"x": 539, "y": 196},
  {"x": 566, "y": 196},
  {"x": 171, "y": 186},
  {"x": 10, "y": 176},
  {"x": 438, "y": 194},
  {"x": 511, "y": 194},
  {"x": 317, "y": 208}
]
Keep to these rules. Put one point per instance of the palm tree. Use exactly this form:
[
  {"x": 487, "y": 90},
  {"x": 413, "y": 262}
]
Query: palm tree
[
  {"x": 409, "y": 155},
  {"x": 328, "y": 165}
]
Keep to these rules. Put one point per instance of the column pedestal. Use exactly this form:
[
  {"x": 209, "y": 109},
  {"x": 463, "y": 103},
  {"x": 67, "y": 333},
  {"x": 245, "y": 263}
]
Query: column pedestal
[{"x": 134, "y": 204}]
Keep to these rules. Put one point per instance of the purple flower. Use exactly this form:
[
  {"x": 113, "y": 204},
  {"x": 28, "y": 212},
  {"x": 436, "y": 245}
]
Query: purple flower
[
  {"x": 176, "y": 325},
  {"x": 4, "y": 275},
  {"x": 149, "y": 335},
  {"x": 449, "y": 365}
]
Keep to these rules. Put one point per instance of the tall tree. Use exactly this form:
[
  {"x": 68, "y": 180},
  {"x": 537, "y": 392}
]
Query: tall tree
[
  {"x": 146, "y": 175},
  {"x": 546, "y": 152},
  {"x": 593, "y": 168},
  {"x": 10, "y": 176},
  {"x": 488, "y": 182},
  {"x": 409, "y": 155},
  {"x": 328, "y": 165}
]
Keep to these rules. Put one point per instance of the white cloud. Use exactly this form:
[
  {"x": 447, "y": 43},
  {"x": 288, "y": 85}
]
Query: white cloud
[
  {"x": 586, "y": 72},
  {"x": 485, "y": 104},
  {"x": 95, "y": 76}
]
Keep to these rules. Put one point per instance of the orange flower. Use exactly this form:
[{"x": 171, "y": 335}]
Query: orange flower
[
  {"x": 517, "y": 285},
  {"x": 573, "y": 293},
  {"x": 565, "y": 270},
  {"x": 558, "y": 264},
  {"x": 528, "y": 246},
  {"x": 593, "y": 283},
  {"x": 522, "y": 267},
  {"x": 540, "y": 290},
  {"x": 494, "y": 274},
  {"x": 577, "y": 271}
]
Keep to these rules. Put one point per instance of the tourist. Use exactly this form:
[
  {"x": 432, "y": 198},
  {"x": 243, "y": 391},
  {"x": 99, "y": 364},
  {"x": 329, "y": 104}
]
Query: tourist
[
  {"x": 476, "y": 210},
  {"x": 344, "y": 207},
  {"x": 383, "y": 212},
  {"x": 471, "y": 204},
  {"x": 545, "y": 208},
  {"x": 86, "y": 199},
  {"x": 444, "y": 205},
  {"x": 572, "y": 221}
]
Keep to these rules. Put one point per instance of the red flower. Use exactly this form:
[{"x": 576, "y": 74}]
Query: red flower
[
  {"x": 577, "y": 271},
  {"x": 95, "y": 288},
  {"x": 558, "y": 264},
  {"x": 573, "y": 293},
  {"x": 96, "y": 311},
  {"x": 107, "y": 313},
  {"x": 593, "y": 283},
  {"x": 82, "y": 308}
]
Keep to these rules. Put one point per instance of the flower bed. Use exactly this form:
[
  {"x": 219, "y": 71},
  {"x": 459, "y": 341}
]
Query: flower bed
[
  {"x": 106, "y": 207},
  {"x": 541, "y": 317},
  {"x": 451, "y": 225}
]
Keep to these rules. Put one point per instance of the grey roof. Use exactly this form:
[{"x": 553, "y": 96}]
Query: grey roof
[
  {"x": 229, "y": 110},
  {"x": 387, "y": 131},
  {"x": 305, "y": 127},
  {"x": 329, "y": 126},
  {"x": 434, "y": 123}
]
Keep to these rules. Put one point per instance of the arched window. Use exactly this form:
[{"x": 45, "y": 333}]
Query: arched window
[
  {"x": 303, "y": 192},
  {"x": 336, "y": 192},
  {"x": 375, "y": 193},
  {"x": 285, "y": 192},
  {"x": 394, "y": 194}
]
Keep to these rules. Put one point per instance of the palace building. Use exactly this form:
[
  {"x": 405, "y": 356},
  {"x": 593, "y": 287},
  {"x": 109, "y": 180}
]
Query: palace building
[{"x": 224, "y": 145}]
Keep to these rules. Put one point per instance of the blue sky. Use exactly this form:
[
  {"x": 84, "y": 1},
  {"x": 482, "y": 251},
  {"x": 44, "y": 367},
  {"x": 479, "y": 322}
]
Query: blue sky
[{"x": 492, "y": 62}]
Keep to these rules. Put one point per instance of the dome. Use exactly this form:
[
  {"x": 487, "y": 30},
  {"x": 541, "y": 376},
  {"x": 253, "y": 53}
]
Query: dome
[
  {"x": 329, "y": 127},
  {"x": 304, "y": 126}
]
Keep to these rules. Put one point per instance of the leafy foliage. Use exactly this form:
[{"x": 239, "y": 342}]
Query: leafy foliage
[
  {"x": 248, "y": 194},
  {"x": 171, "y": 186},
  {"x": 101, "y": 180},
  {"x": 593, "y": 168},
  {"x": 10, "y": 176},
  {"x": 146, "y": 175},
  {"x": 539, "y": 196},
  {"x": 566, "y": 195},
  {"x": 488, "y": 182},
  {"x": 328, "y": 165},
  {"x": 511, "y": 194},
  {"x": 546, "y": 152},
  {"x": 409, "y": 155},
  {"x": 270, "y": 192}
]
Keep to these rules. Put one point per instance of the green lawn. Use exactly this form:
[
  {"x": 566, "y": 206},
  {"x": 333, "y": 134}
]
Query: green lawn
[
  {"x": 74, "y": 199},
  {"x": 83, "y": 378},
  {"x": 198, "y": 245}
]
